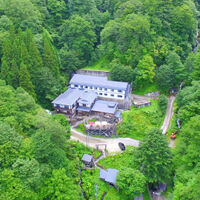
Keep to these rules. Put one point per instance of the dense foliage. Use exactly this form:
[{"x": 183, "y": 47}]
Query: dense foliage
[
  {"x": 34, "y": 160},
  {"x": 144, "y": 42}
]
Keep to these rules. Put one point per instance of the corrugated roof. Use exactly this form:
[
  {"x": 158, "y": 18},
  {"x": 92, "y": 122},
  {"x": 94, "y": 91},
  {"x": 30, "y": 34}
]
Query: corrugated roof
[
  {"x": 111, "y": 176},
  {"x": 87, "y": 158},
  {"x": 105, "y": 106},
  {"x": 69, "y": 97},
  {"x": 96, "y": 81},
  {"x": 88, "y": 97},
  {"x": 103, "y": 174}
]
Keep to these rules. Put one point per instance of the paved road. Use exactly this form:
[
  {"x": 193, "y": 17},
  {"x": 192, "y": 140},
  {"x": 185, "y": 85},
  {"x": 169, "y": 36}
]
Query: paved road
[
  {"x": 112, "y": 144},
  {"x": 169, "y": 115}
]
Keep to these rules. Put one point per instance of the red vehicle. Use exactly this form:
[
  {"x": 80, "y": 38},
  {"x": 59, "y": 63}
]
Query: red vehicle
[{"x": 173, "y": 135}]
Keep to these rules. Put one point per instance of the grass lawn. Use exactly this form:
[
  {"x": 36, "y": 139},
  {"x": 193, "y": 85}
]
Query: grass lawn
[
  {"x": 138, "y": 121},
  {"x": 146, "y": 89},
  {"x": 101, "y": 65}
]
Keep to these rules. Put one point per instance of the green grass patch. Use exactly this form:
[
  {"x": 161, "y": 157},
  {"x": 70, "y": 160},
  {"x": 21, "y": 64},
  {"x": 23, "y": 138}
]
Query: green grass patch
[
  {"x": 146, "y": 89},
  {"x": 118, "y": 160},
  {"x": 138, "y": 121},
  {"x": 100, "y": 65}
]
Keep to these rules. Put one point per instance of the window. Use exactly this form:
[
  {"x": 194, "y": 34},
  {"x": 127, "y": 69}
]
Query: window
[
  {"x": 86, "y": 86},
  {"x": 57, "y": 105},
  {"x": 100, "y": 93},
  {"x": 120, "y": 96},
  {"x": 91, "y": 87},
  {"x": 67, "y": 107},
  {"x": 112, "y": 95},
  {"x": 105, "y": 89},
  {"x": 100, "y": 88},
  {"x": 112, "y": 90},
  {"x": 95, "y": 88},
  {"x": 106, "y": 94},
  {"x": 119, "y": 90},
  {"x": 76, "y": 85}
]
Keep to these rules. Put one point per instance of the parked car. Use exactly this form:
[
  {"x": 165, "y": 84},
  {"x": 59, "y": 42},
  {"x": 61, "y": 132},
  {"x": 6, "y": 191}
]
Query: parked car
[{"x": 122, "y": 146}]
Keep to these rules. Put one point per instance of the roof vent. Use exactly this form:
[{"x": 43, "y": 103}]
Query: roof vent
[{"x": 111, "y": 105}]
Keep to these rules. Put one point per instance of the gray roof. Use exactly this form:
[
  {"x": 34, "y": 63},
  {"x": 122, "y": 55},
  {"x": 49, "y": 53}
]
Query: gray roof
[
  {"x": 69, "y": 97},
  {"x": 87, "y": 158},
  {"x": 88, "y": 97},
  {"x": 109, "y": 176},
  {"x": 105, "y": 106},
  {"x": 79, "y": 79},
  {"x": 103, "y": 174},
  {"x": 139, "y": 198}
]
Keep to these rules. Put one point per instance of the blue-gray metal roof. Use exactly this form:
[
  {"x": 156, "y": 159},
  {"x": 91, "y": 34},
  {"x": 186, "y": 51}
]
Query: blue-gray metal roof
[
  {"x": 105, "y": 106},
  {"x": 103, "y": 174},
  {"x": 88, "y": 97},
  {"x": 85, "y": 109},
  {"x": 111, "y": 176},
  {"x": 87, "y": 158},
  {"x": 96, "y": 81},
  {"x": 69, "y": 97}
]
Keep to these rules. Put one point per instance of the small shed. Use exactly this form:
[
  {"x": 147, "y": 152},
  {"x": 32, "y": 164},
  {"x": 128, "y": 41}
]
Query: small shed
[
  {"x": 109, "y": 176},
  {"x": 139, "y": 197},
  {"x": 162, "y": 187},
  {"x": 88, "y": 160},
  {"x": 142, "y": 103}
]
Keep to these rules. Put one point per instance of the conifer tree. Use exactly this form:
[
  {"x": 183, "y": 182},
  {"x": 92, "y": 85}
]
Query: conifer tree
[
  {"x": 49, "y": 57},
  {"x": 25, "y": 80},
  {"x": 13, "y": 74}
]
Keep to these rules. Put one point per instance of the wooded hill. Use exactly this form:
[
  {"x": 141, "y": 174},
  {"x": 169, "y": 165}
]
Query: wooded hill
[{"x": 42, "y": 42}]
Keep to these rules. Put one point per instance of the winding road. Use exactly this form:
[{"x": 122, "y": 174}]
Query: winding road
[{"x": 112, "y": 143}]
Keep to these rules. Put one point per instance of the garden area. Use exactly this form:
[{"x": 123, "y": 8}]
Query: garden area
[
  {"x": 93, "y": 185},
  {"x": 138, "y": 121}
]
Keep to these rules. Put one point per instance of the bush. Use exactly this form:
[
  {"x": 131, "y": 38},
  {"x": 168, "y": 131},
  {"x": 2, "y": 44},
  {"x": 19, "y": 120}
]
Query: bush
[{"x": 163, "y": 103}]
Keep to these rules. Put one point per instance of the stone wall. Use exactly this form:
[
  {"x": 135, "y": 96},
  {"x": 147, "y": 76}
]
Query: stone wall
[{"x": 92, "y": 72}]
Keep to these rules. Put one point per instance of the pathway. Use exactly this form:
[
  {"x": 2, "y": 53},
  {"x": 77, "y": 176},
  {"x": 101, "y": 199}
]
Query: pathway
[
  {"x": 169, "y": 115},
  {"x": 112, "y": 143}
]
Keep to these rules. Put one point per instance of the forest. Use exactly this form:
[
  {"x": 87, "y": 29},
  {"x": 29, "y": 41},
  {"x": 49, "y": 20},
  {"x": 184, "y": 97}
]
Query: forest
[{"x": 148, "y": 43}]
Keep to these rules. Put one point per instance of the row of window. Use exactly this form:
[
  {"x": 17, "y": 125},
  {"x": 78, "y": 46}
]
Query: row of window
[
  {"x": 91, "y": 87},
  {"x": 112, "y": 95}
]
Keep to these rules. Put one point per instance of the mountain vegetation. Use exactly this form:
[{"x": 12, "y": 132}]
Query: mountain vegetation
[{"x": 143, "y": 42}]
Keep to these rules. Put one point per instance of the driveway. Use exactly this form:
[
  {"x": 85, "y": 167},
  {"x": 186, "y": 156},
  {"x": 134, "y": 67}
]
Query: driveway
[
  {"x": 169, "y": 114},
  {"x": 111, "y": 143}
]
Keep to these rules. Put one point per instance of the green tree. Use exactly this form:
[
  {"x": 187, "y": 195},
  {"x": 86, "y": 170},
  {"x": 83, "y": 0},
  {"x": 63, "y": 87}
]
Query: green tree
[
  {"x": 50, "y": 58},
  {"x": 120, "y": 72},
  {"x": 79, "y": 36},
  {"x": 29, "y": 172},
  {"x": 163, "y": 103},
  {"x": 165, "y": 77},
  {"x": 196, "y": 71},
  {"x": 173, "y": 60},
  {"x": 131, "y": 182},
  {"x": 145, "y": 70},
  {"x": 60, "y": 187},
  {"x": 25, "y": 80},
  {"x": 154, "y": 158},
  {"x": 12, "y": 188}
]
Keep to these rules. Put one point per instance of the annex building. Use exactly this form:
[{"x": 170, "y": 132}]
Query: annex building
[{"x": 95, "y": 94}]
